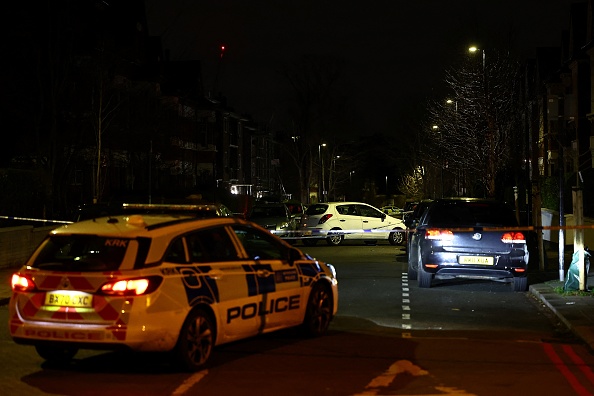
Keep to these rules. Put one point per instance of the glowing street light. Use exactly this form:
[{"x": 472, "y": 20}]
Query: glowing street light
[
  {"x": 321, "y": 186},
  {"x": 474, "y": 49},
  {"x": 454, "y": 102}
]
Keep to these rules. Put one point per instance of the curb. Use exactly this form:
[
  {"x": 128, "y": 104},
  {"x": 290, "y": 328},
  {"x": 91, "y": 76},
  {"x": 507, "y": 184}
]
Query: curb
[{"x": 574, "y": 319}]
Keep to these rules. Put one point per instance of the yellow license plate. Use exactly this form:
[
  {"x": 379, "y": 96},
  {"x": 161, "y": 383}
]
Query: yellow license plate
[
  {"x": 67, "y": 298},
  {"x": 480, "y": 260}
]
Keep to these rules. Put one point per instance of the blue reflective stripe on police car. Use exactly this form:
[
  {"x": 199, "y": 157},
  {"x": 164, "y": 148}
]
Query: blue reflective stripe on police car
[
  {"x": 198, "y": 285},
  {"x": 259, "y": 284},
  {"x": 309, "y": 272}
]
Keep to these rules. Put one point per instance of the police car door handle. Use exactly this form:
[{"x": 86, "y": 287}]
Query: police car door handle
[
  {"x": 215, "y": 274},
  {"x": 263, "y": 273},
  {"x": 342, "y": 220}
]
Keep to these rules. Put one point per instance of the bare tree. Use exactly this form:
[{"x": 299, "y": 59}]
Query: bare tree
[
  {"x": 104, "y": 103},
  {"x": 312, "y": 81},
  {"x": 474, "y": 132}
]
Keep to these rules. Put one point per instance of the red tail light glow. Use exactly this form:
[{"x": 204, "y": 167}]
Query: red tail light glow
[
  {"x": 131, "y": 287},
  {"x": 324, "y": 218},
  {"x": 513, "y": 237},
  {"x": 439, "y": 234},
  {"x": 22, "y": 283}
]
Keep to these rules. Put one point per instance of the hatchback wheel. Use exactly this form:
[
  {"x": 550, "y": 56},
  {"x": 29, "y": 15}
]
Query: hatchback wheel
[
  {"x": 196, "y": 340},
  {"x": 424, "y": 276},
  {"x": 520, "y": 283},
  {"x": 334, "y": 239},
  {"x": 412, "y": 271},
  {"x": 396, "y": 238},
  {"x": 318, "y": 313}
]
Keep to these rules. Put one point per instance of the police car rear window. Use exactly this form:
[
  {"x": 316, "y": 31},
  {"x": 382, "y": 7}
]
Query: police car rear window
[{"x": 81, "y": 253}]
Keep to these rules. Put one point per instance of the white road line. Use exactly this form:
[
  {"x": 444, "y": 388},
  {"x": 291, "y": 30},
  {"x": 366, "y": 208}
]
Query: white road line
[{"x": 189, "y": 383}]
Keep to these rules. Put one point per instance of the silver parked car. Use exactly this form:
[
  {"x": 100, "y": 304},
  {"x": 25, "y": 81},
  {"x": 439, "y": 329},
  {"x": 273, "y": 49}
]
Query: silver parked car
[{"x": 275, "y": 217}]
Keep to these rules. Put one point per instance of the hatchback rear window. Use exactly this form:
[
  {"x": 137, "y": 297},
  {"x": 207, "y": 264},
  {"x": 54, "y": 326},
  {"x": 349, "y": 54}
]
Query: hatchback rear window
[
  {"x": 316, "y": 209},
  {"x": 470, "y": 214},
  {"x": 82, "y": 253}
]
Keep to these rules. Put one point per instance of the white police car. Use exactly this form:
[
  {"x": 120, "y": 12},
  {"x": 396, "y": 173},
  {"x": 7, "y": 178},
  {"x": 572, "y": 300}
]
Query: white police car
[{"x": 165, "y": 283}]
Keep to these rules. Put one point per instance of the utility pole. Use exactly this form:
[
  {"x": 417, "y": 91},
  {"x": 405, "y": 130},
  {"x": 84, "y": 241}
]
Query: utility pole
[{"x": 578, "y": 216}]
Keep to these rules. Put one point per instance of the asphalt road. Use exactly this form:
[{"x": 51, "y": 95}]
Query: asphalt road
[{"x": 390, "y": 337}]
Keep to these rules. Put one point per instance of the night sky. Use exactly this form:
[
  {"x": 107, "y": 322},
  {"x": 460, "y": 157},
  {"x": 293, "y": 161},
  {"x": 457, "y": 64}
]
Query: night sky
[{"x": 393, "y": 52}]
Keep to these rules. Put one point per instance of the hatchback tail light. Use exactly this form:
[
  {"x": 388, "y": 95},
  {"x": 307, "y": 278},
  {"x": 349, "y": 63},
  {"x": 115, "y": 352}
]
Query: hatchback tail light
[
  {"x": 439, "y": 234},
  {"x": 132, "y": 287},
  {"x": 325, "y": 218},
  {"x": 513, "y": 237},
  {"x": 22, "y": 283}
]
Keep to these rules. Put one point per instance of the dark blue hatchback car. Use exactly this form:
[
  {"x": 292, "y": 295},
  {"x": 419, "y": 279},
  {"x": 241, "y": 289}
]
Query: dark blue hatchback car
[{"x": 468, "y": 238}]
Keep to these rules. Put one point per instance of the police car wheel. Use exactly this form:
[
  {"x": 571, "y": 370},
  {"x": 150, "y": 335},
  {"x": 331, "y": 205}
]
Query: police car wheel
[
  {"x": 196, "y": 340},
  {"x": 319, "y": 311},
  {"x": 56, "y": 354}
]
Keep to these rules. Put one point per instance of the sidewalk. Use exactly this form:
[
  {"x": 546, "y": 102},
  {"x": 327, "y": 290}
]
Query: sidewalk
[{"x": 577, "y": 312}]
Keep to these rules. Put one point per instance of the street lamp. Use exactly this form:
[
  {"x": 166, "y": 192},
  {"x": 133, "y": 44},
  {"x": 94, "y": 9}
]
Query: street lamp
[
  {"x": 332, "y": 177},
  {"x": 450, "y": 102},
  {"x": 321, "y": 187},
  {"x": 435, "y": 128},
  {"x": 455, "y": 103},
  {"x": 474, "y": 49}
]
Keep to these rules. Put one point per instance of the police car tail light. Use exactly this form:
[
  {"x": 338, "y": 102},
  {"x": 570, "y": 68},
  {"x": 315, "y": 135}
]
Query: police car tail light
[
  {"x": 131, "y": 287},
  {"x": 513, "y": 237},
  {"x": 325, "y": 218},
  {"x": 439, "y": 234},
  {"x": 22, "y": 283}
]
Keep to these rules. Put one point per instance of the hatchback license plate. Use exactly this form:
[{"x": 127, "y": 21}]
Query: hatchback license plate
[
  {"x": 69, "y": 299},
  {"x": 480, "y": 260}
]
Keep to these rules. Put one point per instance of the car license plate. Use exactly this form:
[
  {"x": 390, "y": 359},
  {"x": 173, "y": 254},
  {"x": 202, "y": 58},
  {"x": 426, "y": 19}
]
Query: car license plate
[
  {"x": 307, "y": 233},
  {"x": 480, "y": 260},
  {"x": 67, "y": 298}
]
